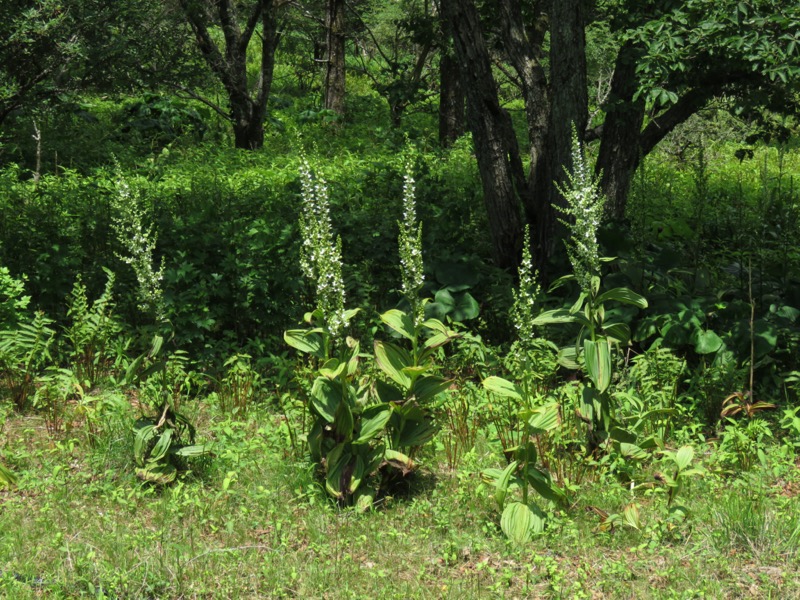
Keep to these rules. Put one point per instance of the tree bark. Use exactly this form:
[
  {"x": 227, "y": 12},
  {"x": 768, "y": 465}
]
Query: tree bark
[
  {"x": 335, "y": 60},
  {"x": 451, "y": 101},
  {"x": 620, "y": 153},
  {"x": 248, "y": 107},
  {"x": 493, "y": 135},
  {"x": 569, "y": 104}
]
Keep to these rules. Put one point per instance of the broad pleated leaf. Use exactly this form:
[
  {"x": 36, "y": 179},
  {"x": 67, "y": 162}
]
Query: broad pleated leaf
[
  {"x": 684, "y": 456},
  {"x": 428, "y": 387},
  {"x": 520, "y": 521},
  {"x": 325, "y": 398},
  {"x": 623, "y": 295},
  {"x": 544, "y": 419},
  {"x": 304, "y": 340},
  {"x": 399, "y": 322},
  {"x": 159, "y": 473},
  {"x": 392, "y": 360},
  {"x": 373, "y": 422},
  {"x": 193, "y": 450},
  {"x": 598, "y": 363},
  {"x": 503, "y": 387},
  {"x": 398, "y": 460},
  {"x": 7, "y": 478}
]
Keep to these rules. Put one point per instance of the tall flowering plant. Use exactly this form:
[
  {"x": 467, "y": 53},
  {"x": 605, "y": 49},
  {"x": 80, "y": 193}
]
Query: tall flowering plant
[
  {"x": 592, "y": 350},
  {"x": 138, "y": 241},
  {"x": 321, "y": 256},
  {"x": 410, "y": 243},
  {"x": 365, "y": 430},
  {"x": 520, "y": 518}
]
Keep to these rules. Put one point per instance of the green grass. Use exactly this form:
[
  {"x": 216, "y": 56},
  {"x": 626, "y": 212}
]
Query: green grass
[{"x": 253, "y": 523}]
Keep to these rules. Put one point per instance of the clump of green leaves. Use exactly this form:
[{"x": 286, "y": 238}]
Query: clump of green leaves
[
  {"x": 91, "y": 332},
  {"x": 24, "y": 352},
  {"x": 165, "y": 438},
  {"x": 13, "y": 302},
  {"x": 7, "y": 478}
]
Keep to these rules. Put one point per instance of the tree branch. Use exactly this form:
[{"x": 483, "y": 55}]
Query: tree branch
[
  {"x": 685, "y": 107},
  {"x": 195, "y": 96}
]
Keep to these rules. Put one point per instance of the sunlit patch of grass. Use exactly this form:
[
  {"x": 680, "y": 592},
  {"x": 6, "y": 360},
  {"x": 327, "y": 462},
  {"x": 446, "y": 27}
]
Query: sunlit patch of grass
[{"x": 258, "y": 524}]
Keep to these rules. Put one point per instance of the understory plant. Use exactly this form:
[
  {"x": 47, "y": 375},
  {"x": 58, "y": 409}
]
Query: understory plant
[
  {"x": 600, "y": 332},
  {"x": 92, "y": 332},
  {"x": 365, "y": 427},
  {"x": 164, "y": 438},
  {"x": 24, "y": 353},
  {"x": 528, "y": 416}
]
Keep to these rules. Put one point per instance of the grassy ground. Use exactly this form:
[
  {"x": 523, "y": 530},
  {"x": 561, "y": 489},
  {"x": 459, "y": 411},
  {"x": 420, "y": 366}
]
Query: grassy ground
[{"x": 252, "y": 523}]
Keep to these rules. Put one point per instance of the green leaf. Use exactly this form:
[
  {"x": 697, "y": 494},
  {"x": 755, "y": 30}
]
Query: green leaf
[
  {"x": 597, "y": 356},
  {"x": 428, "y": 387},
  {"x": 388, "y": 393},
  {"x": 343, "y": 421},
  {"x": 519, "y": 521},
  {"x": 683, "y": 457},
  {"x": 398, "y": 460},
  {"x": 332, "y": 368},
  {"x": 543, "y": 484},
  {"x": 503, "y": 388},
  {"x": 567, "y": 357},
  {"x": 623, "y": 295},
  {"x": 617, "y": 332},
  {"x": 552, "y": 317},
  {"x": 337, "y": 460},
  {"x": 373, "y": 422},
  {"x": 7, "y": 478},
  {"x": 631, "y": 515},
  {"x": 162, "y": 446},
  {"x": 158, "y": 473},
  {"x": 633, "y": 451},
  {"x": 392, "y": 360},
  {"x": 459, "y": 306},
  {"x": 543, "y": 419},
  {"x": 141, "y": 442},
  {"x": 304, "y": 340},
  {"x": 706, "y": 342},
  {"x": 399, "y": 322},
  {"x": 502, "y": 483},
  {"x": 326, "y": 395},
  {"x": 357, "y": 476},
  {"x": 194, "y": 450},
  {"x": 416, "y": 433}
]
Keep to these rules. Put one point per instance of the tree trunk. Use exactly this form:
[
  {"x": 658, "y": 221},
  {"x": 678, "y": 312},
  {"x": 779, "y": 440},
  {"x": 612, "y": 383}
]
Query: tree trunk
[
  {"x": 619, "y": 143},
  {"x": 569, "y": 106},
  {"x": 451, "y": 101},
  {"x": 248, "y": 107},
  {"x": 452, "y": 117},
  {"x": 493, "y": 135},
  {"x": 335, "y": 65}
]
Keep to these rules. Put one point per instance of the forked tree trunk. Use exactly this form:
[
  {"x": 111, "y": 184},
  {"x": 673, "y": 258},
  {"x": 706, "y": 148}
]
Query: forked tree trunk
[{"x": 247, "y": 106}]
